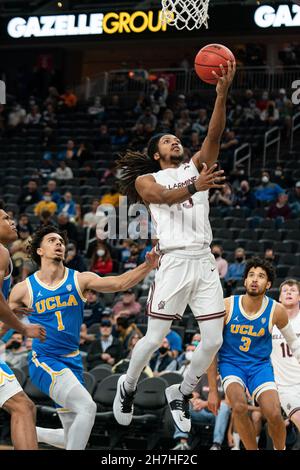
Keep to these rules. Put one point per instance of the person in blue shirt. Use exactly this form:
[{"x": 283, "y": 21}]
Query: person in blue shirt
[
  {"x": 235, "y": 270},
  {"x": 267, "y": 192},
  {"x": 67, "y": 205},
  {"x": 55, "y": 196},
  {"x": 56, "y": 296},
  {"x": 175, "y": 342},
  {"x": 244, "y": 358},
  {"x": 12, "y": 398}
]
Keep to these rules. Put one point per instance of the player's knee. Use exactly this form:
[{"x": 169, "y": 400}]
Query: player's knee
[
  {"x": 152, "y": 344},
  {"x": 23, "y": 405},
  {"x": 89, "y": 407},
  {"x": 212, "y": 344},
  {"x": 239, "y": 408},
  {"x": 274, "y": 416}
]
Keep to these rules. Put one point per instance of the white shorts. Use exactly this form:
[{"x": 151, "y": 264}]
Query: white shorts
[
  {"x": 289, "y": 397},
  {"x": 181, "y": 281},
  {"x": 9, "y": 386}
]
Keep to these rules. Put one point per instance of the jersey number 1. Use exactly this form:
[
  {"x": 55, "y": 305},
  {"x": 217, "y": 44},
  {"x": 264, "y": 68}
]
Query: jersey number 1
[{"x": 60, "y": 325}]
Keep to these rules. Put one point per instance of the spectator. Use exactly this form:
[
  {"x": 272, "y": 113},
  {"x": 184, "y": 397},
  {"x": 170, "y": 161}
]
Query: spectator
[
  {"x": 120, "y": 139},
  {"x": 223, "y": 199},
  {"x": 114, "y": 110},
  {"x": 55, "y": 196},
  {"x": 147, "y": 118},
  {"x": 184, "y": 360},
  {"x": 280, "y": 210},
  {"x": 69, "y": 99},
  {"x": 84, "y": 153},
  {"x": 34, "y": 117},
  {"x": 122, "y": 366},
  {"x": 105, "y": 349},
  {"x": 85, "y": 340},
  {"x": 74, "y": 260},
  {"x": 29, "y": 196},
  {"x": 270, "y": 256},
  {"x": 294, "y": 200},
  {"x": 200, "y": 125},
  {"x": 133, "y": 259},
  {"x": 16, "y": 117},
  {"x": 103, "y": 138},
  {"x": 93, "y": 308},
  {"x": 97, "y": 110},
  {"x": 65, "y": 224},
  {"x": 112, "y": 197},
  {"x": 125, "y": 329},
  {"x": 46, "y": 204},
  {"x": 270, "y": 115},
  {"x": 179, "y": 105},
  {"x": 110, "y": 174},
  {"x": 91, "y": 218},
  {"x": 127, "y": 306},
  {"x": 69, "y": 152},
  {"x": 46, "y": 218},
  {"x": 49, "y": 117},
  {"x": 267, "y": 192},
  {"x": 244, "y": 197},
  {"x": 162, "y": 361},
  {"x": 175, "y": 343},
  {"x": 183, "y": 124},
  {"x": 200, "y": 414},
  {"x": 101, "y": 262},
  {"x": 283, "y": 180},
  {"x": 229, "y": 145},
  {"x": 68, "y": 206},
  {"x": 167, "y": 122},
  {"x": 235, "y": 270},
  {"x": 159, "y": 96},
  {"x": 262, "y": 103},
  {"x": 222, "y": 264},
  {"x": 16, "y": 353},
  {"x": 63, "y": 172},
  {"x": 53, "y": 97},
  {"x": 24, "y": 223},
  {"x": 18, "y": 249}
]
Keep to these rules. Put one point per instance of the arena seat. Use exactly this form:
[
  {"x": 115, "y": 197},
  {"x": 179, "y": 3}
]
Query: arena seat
[
  {"x": 172, "y": 377},
  {"x": 100, "y": 373},
  {"x": 20, "y": 375},
  {"x": 89, "y": 382}
]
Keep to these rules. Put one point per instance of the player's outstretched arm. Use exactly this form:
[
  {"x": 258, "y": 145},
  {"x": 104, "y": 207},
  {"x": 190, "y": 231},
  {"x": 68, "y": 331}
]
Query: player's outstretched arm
[
  {"x": 152, "y": 192},
  {"x": 281, "y": 320},
  {"x": 89, "y": 280},
  {"x": 210, "y": 149}
]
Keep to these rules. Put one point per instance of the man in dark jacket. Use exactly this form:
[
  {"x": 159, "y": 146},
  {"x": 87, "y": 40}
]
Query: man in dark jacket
[
  {"x": 106, "y": 349},
  {"x": 93, "y": 309},
  {"x": 162, "y": 361}
]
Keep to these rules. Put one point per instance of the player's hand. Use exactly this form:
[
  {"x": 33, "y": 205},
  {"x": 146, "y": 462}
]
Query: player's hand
[
  {"x": 210, "y": 178},
  {"x": 35, "y": 331},
  {"x": 225, "y": 80},
  {"x": 23, "y": 311},
  {"x": 213, "y": 402},
  {"x": 152, "y": 258}
]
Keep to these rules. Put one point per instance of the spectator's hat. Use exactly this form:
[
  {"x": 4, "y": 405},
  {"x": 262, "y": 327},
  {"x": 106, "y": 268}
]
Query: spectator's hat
[{"x": 105, "y": 322}]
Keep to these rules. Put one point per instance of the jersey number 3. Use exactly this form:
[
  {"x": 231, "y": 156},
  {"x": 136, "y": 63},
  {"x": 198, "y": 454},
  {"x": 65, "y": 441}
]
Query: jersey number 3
[
  {"x": 246, "y": 343},
  {"x": 60, "y": 325}
]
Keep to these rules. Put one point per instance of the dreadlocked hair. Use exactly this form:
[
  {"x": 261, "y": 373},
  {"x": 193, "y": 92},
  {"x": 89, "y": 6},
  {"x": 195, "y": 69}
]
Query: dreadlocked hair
[{"x": 134, "y": 164}]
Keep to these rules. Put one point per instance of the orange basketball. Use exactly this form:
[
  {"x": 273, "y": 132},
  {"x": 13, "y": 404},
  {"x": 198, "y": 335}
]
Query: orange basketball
[{"x": 210, "y": 58}]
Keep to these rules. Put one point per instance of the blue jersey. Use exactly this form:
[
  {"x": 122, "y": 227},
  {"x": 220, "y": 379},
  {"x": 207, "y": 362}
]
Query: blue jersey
[
  {"x": 247, "y": 339},
  {"x": 60, "y": 310},
  {"x": 7, "y": 282}
]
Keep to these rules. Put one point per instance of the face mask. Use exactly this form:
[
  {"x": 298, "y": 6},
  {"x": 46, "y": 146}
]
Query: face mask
[
  {"x": 278, "y": 172},
  {"x": 100, "y": 252},
  {"x": 216, "y": 255},
  {"x": 189, "y": 355},
  {"x": 47, "y": 198},
  {"x": 239, "y": 259},
  {"x": 15, "y": 345},
  {"x": 163, "y": 350},
  {"x": 244, "y": 188},
  {"x": 265, "y": 179},
  {"x": 269, "y": 259}
]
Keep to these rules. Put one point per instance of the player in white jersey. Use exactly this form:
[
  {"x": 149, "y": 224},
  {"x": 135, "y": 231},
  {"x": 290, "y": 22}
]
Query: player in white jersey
[
  {"x": 176, "y": 194},
  {"x": 286, "y": 367}
]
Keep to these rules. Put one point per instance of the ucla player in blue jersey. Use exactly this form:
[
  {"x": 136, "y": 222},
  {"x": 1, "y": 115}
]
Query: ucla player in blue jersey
[
  {"x": 244, "y": 358},
  {"x": 12, "y": 397},
  {"x": 56, "y": 295}
]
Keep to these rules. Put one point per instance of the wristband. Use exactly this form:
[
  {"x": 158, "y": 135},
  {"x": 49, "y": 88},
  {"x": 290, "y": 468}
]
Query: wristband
[{"x": 192, "y": 189}]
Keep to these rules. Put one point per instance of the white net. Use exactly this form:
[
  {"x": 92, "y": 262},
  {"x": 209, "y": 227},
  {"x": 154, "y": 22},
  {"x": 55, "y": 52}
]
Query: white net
[{"x": 189, "y": 14}]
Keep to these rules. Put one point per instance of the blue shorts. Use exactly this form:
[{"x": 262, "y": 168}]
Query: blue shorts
[
  {"x": 43, "y": 370},
  {"x": 256, "y": 378}
]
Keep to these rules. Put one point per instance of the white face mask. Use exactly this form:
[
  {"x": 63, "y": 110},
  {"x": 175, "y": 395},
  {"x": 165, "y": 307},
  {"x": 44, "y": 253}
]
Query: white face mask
[
  {"x": 100, "y": 252},
  {"x": 265, "y": 179},
  {"x": 189, "y": 355}
]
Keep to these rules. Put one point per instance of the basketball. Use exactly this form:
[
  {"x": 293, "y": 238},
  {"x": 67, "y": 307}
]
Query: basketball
[{"x": 209, "y": 59}]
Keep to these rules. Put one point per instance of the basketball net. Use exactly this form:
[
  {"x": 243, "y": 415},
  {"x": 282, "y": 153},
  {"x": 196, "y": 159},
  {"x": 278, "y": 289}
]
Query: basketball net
[{"x": 189, "y": 14}]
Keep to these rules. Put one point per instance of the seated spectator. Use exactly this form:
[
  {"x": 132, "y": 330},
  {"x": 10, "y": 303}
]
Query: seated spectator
[
  {"x": 18, "y": 248},
  {"x": 63, "y": 172},
  {"x": 267, "y": 192},
  {"x": 46, "y": 218},
  {"x": 294, "y": 200},
  {"x": 68, "y": 153},
  {"x": 127, "y": 306},
  {"x": 144, "y": 248},
  {"x": 222, "y": 264},
  {"x": 86, "y": 340},
  {"x": 102, "y": 138},
  {"x": 96, "y": 215},
  {"x": 74, "y": 260},
  {"x": 101, "y": 262},
  {"x": 175, "y": 343},
  {"x": 49, "y": 116},
  {"x": 84, "y": 153},
  {"x": 110, "y": 174},
  {"x": 270, "y": 256},
  {"x": 29, "y": 196},
  {"x": 200, "y": 414},
  {"x": 122, "y": 366},
  {"x": 280, "y": 210},
  {"x": 93, "y": 308},
  {"x": 183, "y": 124},
  {"x": 16, "y": 353},
  {"x": 69, "y": 99},
  {"x": 105, "y": 349},
  {"x": 147, "y": 118},
  {"x": 184, "y": 360},
  {"x": 97, "y": 110},
  {"x": 114, "y": 109},
  {"x": 52, "y": 188},
  {"x": 224, "y": 198},
  {"x": 112, "y": 197},
  {"x": 132, "y": 260},
  {"x": 229, "y": 144},
  {"x": 270, "y": 115},
  {"x": 68, "y": 206},
  {"x": 125, "y": 329},
  {"x": 162, "y": 361},
  {"x": 53, "y": 97},
  {"x": 200, "y": 124},
  {"x": 46, "y": 204},
  {"x": 283, "y": 180},
  {"x": 16, "y": 117},
  {"x": 235, "y": 270},
  {"x": 166, "y": 124},
  {"x": 244, "y": 197},
  {"x": 24, "y": 223},
  {"x": 262, "y": 103},
  {"x": 120, "y": 138},
  {"x": 64, "y": 223},
  {"x": 159, "y": 96},
  {"x": 34, "y": 117}
]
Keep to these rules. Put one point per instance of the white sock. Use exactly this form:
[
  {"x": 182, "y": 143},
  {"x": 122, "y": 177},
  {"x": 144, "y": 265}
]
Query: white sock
[
  {"x": 211, "y": 341},
  {"x": 236, "y": 439},
  {"x": 53, "y": 437},
  {"x": 257, "y": 439}
]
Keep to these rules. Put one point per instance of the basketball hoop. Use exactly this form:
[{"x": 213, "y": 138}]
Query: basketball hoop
[{"x": 189, "y": 14}]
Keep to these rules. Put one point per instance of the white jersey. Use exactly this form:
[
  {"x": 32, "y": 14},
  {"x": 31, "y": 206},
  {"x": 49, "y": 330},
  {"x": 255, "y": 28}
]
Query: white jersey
[
  {"x": 286, "y": 367},
  {"x": 183, "y": 225}
]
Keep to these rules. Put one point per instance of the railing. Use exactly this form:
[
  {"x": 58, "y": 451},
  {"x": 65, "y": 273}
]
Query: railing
[
  {"x": 271, "y": 137},
  {"x": 295, "y": 127},
  {"x": 247, "y": 157}
]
